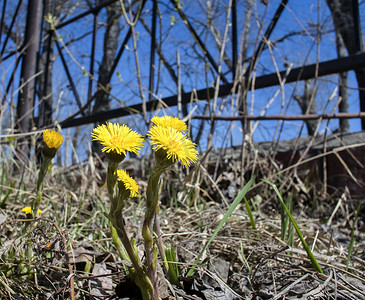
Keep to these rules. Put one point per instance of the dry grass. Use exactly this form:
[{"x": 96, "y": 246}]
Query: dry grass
[{"x": 71, "y": 238}]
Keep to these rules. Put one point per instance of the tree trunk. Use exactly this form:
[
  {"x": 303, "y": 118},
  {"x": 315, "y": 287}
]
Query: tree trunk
[
  {"x": 45, "y": 92},
  {"x": 25, "y": 106},
  {"x": 342, "y": 89},
  {"x": 242, "y": 97},
  {"x": 307, "y": 107},
  {"x": 343, "y": 19}
]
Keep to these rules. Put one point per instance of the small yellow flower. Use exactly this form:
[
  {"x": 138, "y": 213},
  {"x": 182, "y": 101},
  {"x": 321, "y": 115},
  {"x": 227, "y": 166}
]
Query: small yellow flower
[
  {"x": 176, "y": 145},
  {"x": 52, "y": 138},
  {"x": 117, "y": 138},
  {"x": 129, "y": 183},
  {"x": 167, "y": 121},
  {"x": 28, "y": 210}
]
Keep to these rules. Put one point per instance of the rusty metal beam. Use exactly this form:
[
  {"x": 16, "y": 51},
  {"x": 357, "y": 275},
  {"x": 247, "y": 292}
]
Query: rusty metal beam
[
  {"x": 360, "y": 115},
  {"x": 302, "y": 73}
]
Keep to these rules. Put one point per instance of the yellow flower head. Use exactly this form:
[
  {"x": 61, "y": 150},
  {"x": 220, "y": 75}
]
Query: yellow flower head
[
  {"x": 117, "y": 138},
  {"x": 167, "y": 121},
  {"x": 176, "y": 145},
  {"x": 129, "y": 183},
  {"x": 52, "y": 138},
  {"x": 28, "y": 210}
]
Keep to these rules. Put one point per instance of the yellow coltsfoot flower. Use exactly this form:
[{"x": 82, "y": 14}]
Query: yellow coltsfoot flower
[
  {"x": 129, "y": 183},
  {"x": 167, "y": 121},
  {"x": 52, "y": 140},
  {"x": 28, "y": 210},
  {"x": 174, "y": 143},
  {"x": 117, "y": 138}
]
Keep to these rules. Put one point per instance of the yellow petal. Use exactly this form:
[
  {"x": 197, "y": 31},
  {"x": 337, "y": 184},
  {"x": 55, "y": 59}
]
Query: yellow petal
[
  {"x": 167, "y": 121},
  {"x": 175, "y": 143},
  {"x": 117, "y": 138},
  {"x": 129, "y": 183}
]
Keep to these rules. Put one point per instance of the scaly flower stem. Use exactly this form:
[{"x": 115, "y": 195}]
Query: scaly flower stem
[
  {"x": 141, "y": 279},
  {"x": 121, "y": 250},
  {"x": 111, "y": 179},
  {"x": 147, "y": 229}
]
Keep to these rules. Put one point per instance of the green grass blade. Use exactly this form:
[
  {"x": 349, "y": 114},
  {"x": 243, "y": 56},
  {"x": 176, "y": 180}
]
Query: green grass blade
[
  {"x": 245, "y": 259},
  {"x": 306, "y": 248},
  {"x": 229, "y": 212},
  {"x": 291, "y": 228},
  {"x": 285, "y": 224},
  {"x": 249, "y": 212},
  {"x": 2, "y": 177},
  {"x": 5, "y": 199}
]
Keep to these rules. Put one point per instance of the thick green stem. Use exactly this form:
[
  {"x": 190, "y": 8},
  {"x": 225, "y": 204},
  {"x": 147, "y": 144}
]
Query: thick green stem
[
  {"x": 111, "y": 179},
  {"x": 162, "y": 164},
  {"x": 147, "y": 229},
  {"x": 121, "y": 250},
  {"x": 119, "y": 233},
  {"x": 141, "y": 279}
]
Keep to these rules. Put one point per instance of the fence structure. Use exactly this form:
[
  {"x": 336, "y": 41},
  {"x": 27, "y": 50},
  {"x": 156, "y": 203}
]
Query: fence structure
[{"x": 38, "y": 36}]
